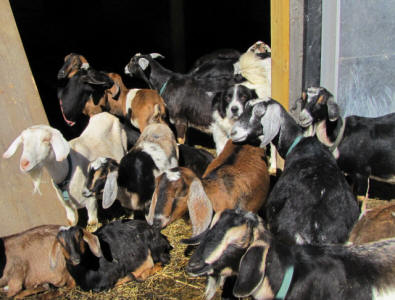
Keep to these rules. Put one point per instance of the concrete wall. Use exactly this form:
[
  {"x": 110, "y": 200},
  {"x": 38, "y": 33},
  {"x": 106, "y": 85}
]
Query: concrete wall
[{"x": 20, "y": 107}]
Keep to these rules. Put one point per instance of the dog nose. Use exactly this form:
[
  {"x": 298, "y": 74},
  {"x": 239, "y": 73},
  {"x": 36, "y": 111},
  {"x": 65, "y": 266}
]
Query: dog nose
[{"x": 234, "y": 109}]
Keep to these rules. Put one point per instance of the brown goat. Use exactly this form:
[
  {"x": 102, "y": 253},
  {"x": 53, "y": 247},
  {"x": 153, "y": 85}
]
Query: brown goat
[
  {"x": 25, "y": 263},
  {"x": 237, "y": 178},
  {"x": 376, "y": 223}
]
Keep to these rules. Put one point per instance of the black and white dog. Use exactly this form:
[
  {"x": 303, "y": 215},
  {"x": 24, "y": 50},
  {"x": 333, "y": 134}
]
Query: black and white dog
[{"x": 227, "y": 108}]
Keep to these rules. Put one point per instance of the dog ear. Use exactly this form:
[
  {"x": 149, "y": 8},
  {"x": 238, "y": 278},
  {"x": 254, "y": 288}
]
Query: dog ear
[{"x": 251, "y": 271}]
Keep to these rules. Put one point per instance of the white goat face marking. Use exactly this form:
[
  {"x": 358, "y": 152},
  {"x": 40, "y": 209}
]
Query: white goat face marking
[
  {"x": 85, "y": 66},
  {"x": 143, "y": 63},
  {"x": 98, "y": 162},
  {"x": 312, "y": 92}
]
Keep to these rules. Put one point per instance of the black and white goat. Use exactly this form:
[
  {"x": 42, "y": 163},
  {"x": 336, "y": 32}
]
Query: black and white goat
[
  {"x": 311, "y": 203},
  {"x": 188, "y": 98},
  {"x": 268, "y": 268},
  {"x": 363, "y": 147},
  {"x": 66, "y": 162},
  {"x": 114, "y": 254}
]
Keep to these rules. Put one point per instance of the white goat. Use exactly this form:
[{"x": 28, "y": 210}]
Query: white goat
[{"x": 45, "y": 147}]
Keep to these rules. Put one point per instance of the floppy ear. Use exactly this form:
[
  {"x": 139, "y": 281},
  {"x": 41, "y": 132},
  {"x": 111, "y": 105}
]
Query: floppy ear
[
  {"x": 60, "y": 146},
  {"x": 333, "y": 109},
  {"x": 93, "y": 243},
  {"x": 251, "y": 270},
  {"x": 97, "y": 78},
  {"x": 270, "y": 120},
  {"x": 143, "y": 63},
  {"x": 13, "y": 147},
  {"x": 115, "y": 91},
  {"x": 54, "y": 254},
  {"x": 200, "y": 207},
  {"x": 110, "y": 189}
]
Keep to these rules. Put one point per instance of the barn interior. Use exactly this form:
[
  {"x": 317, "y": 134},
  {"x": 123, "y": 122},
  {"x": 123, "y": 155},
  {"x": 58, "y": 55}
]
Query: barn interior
[{"x": 108, "y": 33}]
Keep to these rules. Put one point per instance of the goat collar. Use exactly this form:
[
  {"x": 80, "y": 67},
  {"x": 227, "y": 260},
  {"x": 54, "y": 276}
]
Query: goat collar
[
  {"x": 295, "y": 142},
  {"x": 339, "y": 135},
  {"x": 282, "y": 292},
  {"x": 65, "y": 182},
  {"x": 163, "y": 88}
]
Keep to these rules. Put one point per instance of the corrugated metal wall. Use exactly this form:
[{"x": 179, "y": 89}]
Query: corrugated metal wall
[{"x": 20, "y": 107}]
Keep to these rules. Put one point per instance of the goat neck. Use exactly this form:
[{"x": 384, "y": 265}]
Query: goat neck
[
  {"x": 157, "y": 75},
  {"x": 287, "y": 135},
  {"x": 329, "y": 132}
]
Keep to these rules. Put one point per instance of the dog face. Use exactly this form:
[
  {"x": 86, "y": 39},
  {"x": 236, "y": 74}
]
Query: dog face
[{"x": 230, "y": 103}]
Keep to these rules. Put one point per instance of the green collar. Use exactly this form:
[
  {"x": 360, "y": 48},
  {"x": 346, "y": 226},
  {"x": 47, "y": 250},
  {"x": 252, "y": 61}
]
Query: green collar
[
  {"x": 162, "y": 89},
  {"x": 282, "y": 292},
  {"x": 296, "y": 141}
]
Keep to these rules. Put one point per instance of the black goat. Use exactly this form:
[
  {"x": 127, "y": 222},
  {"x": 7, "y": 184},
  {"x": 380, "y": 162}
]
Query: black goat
[
  {"x": 311, "y": 202},
  {"x": 363, "y": 147},
  {"x": 188, "y": 98},
  {"x": 267, "y": 268},
  {"x": 116, "y": 253}
]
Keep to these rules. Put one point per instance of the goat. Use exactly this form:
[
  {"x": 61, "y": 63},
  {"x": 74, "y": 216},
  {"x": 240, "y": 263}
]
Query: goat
[
  {"x": 377, "y": 223},
  {"x": 269, "y": 268},
  {"x": 237, "y": 178},
  {"x": 255, "y": 68},
  {"x": 363, "y": 147},
  {"x": 114, "y": 254},
  {"x": 155, "y": 151},
  {"x": 311, "y": 201},
  {"x": 188, "y": 99},
  {"x": 228, "y": 105},
  {"x": 90, "y": 92},
  {"x": 196, "y": 159},
  {"x": 66, "y": 162},
  {"x": 24, "y": 262}
]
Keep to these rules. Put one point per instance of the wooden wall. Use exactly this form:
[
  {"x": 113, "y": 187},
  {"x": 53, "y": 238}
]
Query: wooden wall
[{"x": 20, "y": 107}]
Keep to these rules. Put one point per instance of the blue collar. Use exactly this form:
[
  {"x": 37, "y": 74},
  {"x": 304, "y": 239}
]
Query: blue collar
[
  {"x": 296, "y": 141},
  {"x": 282, "y": 292},
  {"x": 162, "y": 89}
]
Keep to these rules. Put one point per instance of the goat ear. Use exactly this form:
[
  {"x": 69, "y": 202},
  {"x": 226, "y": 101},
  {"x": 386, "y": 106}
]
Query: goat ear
[
  {"x": 200, "y": 207},
  {"x": 251, "y": 271},
  {"x": 13, "y": 147},
  {"x": 110, "y": 189},
  {"x": 157, "y": 55},
  {"x": 97, "y": 78},
  {"x": 333, "y": 109},
  {"x": 115, "y": 90},
  {"x": 54, "y": 254},
  {"x": 93, "y": 243},
  {"x": 60, "y": 146},
  {"x": 270, "y": 123},
  {"x": 143, "y": 63}
]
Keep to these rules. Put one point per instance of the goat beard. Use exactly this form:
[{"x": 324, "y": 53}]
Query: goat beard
[{"x": 35, "y": 175}]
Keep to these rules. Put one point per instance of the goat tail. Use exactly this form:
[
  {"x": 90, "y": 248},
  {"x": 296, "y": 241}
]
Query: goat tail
[{"x": 379, "y": 256}]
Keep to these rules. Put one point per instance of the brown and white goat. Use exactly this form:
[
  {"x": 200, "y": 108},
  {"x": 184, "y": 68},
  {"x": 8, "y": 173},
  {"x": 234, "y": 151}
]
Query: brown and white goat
[
  {"x": 375, "y": 224},
  {"x": 237, "y": 178},
  {"x": 92, "y": 92},
  {"x": 25, "y": 267}
]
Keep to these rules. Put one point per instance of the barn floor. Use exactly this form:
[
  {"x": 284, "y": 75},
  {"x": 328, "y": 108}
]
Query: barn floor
[{"x": 172, "y": 282}]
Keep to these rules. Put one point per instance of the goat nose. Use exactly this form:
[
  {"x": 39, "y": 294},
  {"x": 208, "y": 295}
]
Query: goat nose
[
  {"x": 24, "y": 163},
  {"x": 234, "y": 109},
  {"x": 157, "y": 223}
]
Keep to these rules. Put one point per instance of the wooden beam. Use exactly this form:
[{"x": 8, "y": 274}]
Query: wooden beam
[
  {"x": 20, "y": 107},
  {"x": 279, "y": 15}
]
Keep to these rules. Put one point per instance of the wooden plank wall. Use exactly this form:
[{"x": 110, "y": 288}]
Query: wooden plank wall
[
  {"x": 20, "y": 107},
  {"x": 279, "y": 14}
]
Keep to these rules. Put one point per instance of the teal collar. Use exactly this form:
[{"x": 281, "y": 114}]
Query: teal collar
[
  {"x": 162, "y": 89},
  {"x": 282, "y": 292},
  {"x": 295, "y": 142}
]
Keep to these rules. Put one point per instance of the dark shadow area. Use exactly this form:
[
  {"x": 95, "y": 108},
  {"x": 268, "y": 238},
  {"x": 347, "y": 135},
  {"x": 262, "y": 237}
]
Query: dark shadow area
[{"x": 109, "y": 32}]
